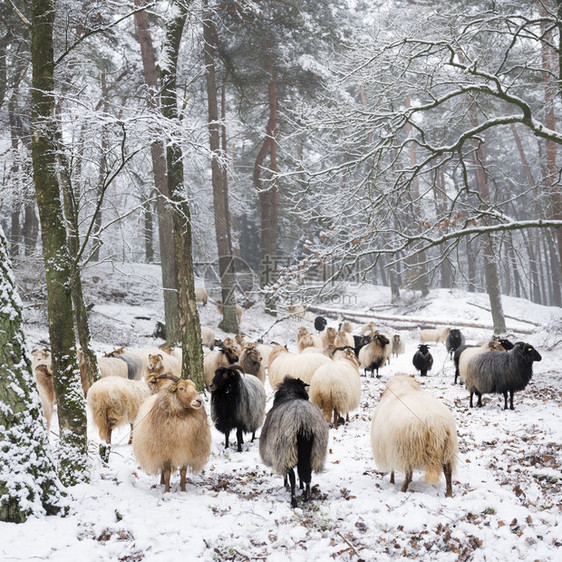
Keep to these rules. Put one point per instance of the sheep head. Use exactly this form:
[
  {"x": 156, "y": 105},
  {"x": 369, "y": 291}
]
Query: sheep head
[
  {"x": 155, "y": 362},
  {"x": 383, "y": 340},
  {"x": 225, "y": 377},
  {"x": 158, "y": 382},
  {"x": 301, "y": 333},
  {"x": 529, "y": 351},
  {"x": 187, "y": 394},
  {"x": 290, "y": 389}
]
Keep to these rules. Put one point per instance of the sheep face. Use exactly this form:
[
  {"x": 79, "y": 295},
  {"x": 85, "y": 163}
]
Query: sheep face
[
  {"x": 187, "y": 394},
  {"x": 230, "y": 353},
  {"x": 301, "y": 333},
  {"x": 155, "y": 362},
  {"x": 225, "y": 378},
  {"x": 531, "y": 354},
  {"x": 383, "y": 340},
  {"x": 290, "y": 389},
  {"x": 41, "y": 355}
]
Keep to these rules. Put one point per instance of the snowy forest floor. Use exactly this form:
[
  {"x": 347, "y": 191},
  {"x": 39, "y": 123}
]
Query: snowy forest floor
[{"x": 507, "y": 490}]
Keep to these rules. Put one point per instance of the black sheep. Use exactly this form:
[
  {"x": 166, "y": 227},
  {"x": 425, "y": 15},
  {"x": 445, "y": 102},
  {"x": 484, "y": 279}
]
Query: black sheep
[
  {"x": 501, "y": 373},
  {"x": 422, "y": 360},
  {"x": 295, "y": 433},
  {"x": 237, "y": 402},
  {"x": 506, "y": 344},
  {"x": 320, "y": 323},
  {"x": 454, "y": 340}
]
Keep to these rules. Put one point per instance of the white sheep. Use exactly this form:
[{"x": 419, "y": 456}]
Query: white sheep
[
  {"x": 437, "y": 335},
  {"x": 344, "y": 339},
  {"x": 46, "y": 388},
  {"x": 208, "y": 337},
  {"x": 302, "y": 366},
  {"x": 115, "y": 401},
  {"x": 172, "y": 430},
  {"x": 171, "y": 359},
  {"x": 201, "y": 295},
  {"x": 316, "y": 339},
  {"x": 368, "y": 329},
  {"x": 336, "y": 386},
  {"x": 412, "y": 430}
]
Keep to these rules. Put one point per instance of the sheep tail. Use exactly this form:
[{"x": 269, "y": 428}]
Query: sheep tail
[{"x": 304, "y": 448}]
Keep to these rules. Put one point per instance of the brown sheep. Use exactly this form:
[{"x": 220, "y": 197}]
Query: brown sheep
[
  {"x": 172, "y": 430},
  {"x": 252, "y": 363},
  {"x": 46, "y": 388}
]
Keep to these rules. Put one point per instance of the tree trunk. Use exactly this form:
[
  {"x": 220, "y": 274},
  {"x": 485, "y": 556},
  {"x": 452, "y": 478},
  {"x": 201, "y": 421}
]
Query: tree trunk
[
  {"x": 218, "y": 174},
  {"x": 192, "y": 351},
  {"x": 269, "y": 196},
  {"x": 72, "y": 444},
  {"x": 158, "y": 155},
  {"x": 148, "y": 233},
  {"x": 491, "y": 270},
  {"x": 28, "y": 486}
]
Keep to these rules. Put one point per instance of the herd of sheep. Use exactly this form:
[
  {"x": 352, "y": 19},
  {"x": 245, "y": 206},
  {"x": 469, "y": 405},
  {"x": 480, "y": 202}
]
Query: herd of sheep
[{"x": 315, "y": 388}]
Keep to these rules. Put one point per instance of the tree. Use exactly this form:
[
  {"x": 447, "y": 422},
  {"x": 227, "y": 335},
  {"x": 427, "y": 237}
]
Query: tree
[
  {"x": 28, "y": 481},
  {"x": 192, "y": 351},
  {"x": 72, "y": 444},
  {"x": 218, "y": 178}
]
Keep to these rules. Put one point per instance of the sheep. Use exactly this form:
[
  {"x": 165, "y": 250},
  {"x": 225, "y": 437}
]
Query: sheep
[
  {"x": 454, "y": 340},
  {"x": 265, "y": 351},
  {"x": 368, "y": 329},
  {"x": 219, "y": 306},
  {"x": 115, "y": 401},
  {"x": 320, "y": 324},
  {"x": 375, "y": 354},
  {"x": 223, "y": 357},
  {"x": 201, "y": 295},
  {"x": 346, "y": 327},
  {"x": 298, "y": 366},
  {"x": 412, "y": 430},
  {"x": 501, "y": 373},
  {"x": 471, "y": 352},
  {"x": 422, "y": 360},
  {"x": 237, "y": 402},
  {"x": 336, "y": 386},
  {"x": 295, "y": 433},
  {"x": 398, "y": 345},
  {"x": 46, "y": 388},
  {"x": 252, "y": 363},
  {"x": 344, "y": 339},
  {"x": 297, "y": 310},
  {"x": 40, "y": 357},
  {"x": 359, "y": 342},
  {"x": 306, "y": 342},
  {"x": 328, "y": 337},
  {"x": 208, "y": 337},
  {"x": 172, "y": 361},
  {"x": 436, "y": 335},
  {"x": 317, "y": 339},
  {"x": 172, "y": 430}
]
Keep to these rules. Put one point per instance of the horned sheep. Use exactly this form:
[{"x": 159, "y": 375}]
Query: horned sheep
[
  {"x": 375, "y": 354},
  {"x": 297, "y": 366},
  {"x": 223, "y": 357}
]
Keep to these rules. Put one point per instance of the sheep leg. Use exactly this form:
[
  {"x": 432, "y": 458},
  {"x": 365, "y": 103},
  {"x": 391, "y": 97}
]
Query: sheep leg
[
  {"x": 240, "y": 438},
  {"x": 131, "y": 435},
  {"x": 479, "y": 399},
  {"x": 511, "y": 393},
  {"x": 166, "y": 472},
  {"x": 226, "y": 436},
  {"x": 407, "y": 481},
  {"x": 306, "y": 494},
  {"x": 392, "y": 476},
  {"x": 183, "y": 477},
  {"x": 456, "y": 376},
  {"x": 471, "y": 395},
  {"x": 505, "y": 400},
  {"x": 336, "y": 418},
  {"x": 253, "y": 436},
  {"x": 293, "y": 482},
  {"x": 448, "y": 472}
]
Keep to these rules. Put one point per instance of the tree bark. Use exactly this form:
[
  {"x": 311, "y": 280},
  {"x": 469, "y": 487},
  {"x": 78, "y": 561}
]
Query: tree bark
[
  {"x": 269, "y": 196},
  {"x": 158, "y": 155},
  {"x": 31, "y": 485},
  {"x": 72, "y": 444},
  {"x": 229, "y": 322},
  {"x": 192, "y": 351}
]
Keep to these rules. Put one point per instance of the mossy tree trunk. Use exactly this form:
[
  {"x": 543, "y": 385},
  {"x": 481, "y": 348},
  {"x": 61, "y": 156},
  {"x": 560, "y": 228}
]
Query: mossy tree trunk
[
  {"x": 229, "y": 322},
  {"x": 72, "y": 444},
  {"x": 192, "y": 351},
  {"x": 28, "y": 481}
]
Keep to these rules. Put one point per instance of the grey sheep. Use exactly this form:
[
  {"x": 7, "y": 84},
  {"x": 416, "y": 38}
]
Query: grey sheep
[
  {"x": 501, "y": 373},
  {"x": 295, "y": 433},
  {"x": 454, "y": 340},
  {"x": 237, "y": 402}
]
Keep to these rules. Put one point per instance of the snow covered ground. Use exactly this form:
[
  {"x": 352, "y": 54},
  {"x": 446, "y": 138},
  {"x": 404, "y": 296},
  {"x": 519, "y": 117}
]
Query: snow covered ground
[{"x": 507, "y": 490}]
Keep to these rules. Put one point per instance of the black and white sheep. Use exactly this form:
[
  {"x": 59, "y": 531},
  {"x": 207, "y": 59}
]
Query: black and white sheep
[
  {"x": 252, "y": 363},
  {"x": 237, "y": 402},
  {"x": 225, "y": 356},
  {"x": 455, "y": 339},
  {"x": 294, "y": 434},
  {"x": 501, "y": 373},
  {"x": 375, "y": 354},
  {"x": 423, "y": 360}
]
